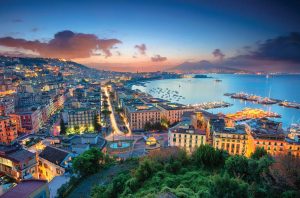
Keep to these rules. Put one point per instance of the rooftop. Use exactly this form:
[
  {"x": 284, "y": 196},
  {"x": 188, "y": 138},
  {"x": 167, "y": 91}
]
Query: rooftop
[
  {"x": 265, "y": 128},
  {"x": 239, "y": 129},
  {"x": 141, "y": 107},
  {"x": 21, "y": 155},
  {"x": 54, "y": 155},
  {"x": 185, "y": 127},
  {"x": 24, "y": 189},
  {"x": 173, "y": 106}
]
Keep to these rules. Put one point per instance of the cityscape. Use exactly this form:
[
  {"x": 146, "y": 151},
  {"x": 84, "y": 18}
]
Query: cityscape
[{"x": 154, "y": 99}]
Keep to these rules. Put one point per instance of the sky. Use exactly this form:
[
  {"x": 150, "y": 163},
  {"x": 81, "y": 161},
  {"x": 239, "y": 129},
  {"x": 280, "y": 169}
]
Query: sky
[{"x": 151, "y": 35}]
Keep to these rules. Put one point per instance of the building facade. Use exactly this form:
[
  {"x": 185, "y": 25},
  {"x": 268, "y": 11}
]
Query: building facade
[
  {"x": 185, "y": 136},
  {"x": 18, "y": 163},
  {"x": 233, "y": 140},
  {"x": 53, "y": 162},
  {"x": 8, "y": 130}
]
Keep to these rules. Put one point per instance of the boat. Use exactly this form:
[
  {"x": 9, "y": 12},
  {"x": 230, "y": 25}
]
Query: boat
[
  {"x": 290, "y": 104},
  {"x": 267, "y": 101},
  {"x": 218, "y": 80}
]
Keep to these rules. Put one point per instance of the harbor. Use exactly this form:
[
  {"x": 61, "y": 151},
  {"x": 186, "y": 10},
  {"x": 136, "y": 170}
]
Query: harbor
[
  {"x": 253, "y": 98},
  {"x": 211, "y": 105},
  {"x": 262, "y": 100}
]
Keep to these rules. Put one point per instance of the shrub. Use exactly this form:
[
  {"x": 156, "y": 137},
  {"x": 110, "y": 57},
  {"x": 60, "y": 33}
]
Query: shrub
[
  {"x": 237, "y": 166},
  {"x": 228, "y": 187},
  {"x": 207, "y": 156},
  {"x": 258, "y": 153}
]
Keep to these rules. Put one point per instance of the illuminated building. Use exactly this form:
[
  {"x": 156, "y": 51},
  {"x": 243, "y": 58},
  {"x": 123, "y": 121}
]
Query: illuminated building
[
  {"x": 30, "y": 121},
  {"x": 7, "y": 105},
  {"x": 233, "y": 140},
  {"x": 267, "y": 134},
  {"x": 82, "y": 118},
  {"x": 8, "y": 130},
  {"x": 209, "y": 123},
  {"x": 185, "y": 136},
  {"x": 138, "y": 114},
  {"x": 173, "y": 111},
  {"x": 17, "y": 163},
  {"x": 53, "y": 162}
]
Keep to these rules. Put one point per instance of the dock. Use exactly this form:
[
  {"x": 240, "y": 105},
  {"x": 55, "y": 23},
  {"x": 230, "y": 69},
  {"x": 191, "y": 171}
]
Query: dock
[{"x": 211, "y": 105}]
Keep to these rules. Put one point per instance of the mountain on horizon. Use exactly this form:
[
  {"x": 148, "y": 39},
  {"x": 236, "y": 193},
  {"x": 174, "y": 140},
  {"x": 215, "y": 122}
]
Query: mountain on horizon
[{"x": 203, "y": 66}]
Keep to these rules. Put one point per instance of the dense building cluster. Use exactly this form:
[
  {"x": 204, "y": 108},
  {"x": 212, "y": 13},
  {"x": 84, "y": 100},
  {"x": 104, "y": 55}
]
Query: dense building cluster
[
  {"x": 240, "y": 138},
  {"x": 52, "y": 111}
]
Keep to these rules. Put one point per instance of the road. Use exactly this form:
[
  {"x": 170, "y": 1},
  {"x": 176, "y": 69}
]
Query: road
[{"x": 114, "y": 125}]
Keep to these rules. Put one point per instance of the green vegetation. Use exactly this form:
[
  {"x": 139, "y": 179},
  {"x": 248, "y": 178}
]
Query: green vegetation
[
  {"x": 32, "y": 141},
  {"x": 88, "y": 163},
  {"x": 206, "y": 173},
  {"x": 153, "y": 127},
  {"x": 63, "y": 128},
  {"x": 96, "y": 124}
]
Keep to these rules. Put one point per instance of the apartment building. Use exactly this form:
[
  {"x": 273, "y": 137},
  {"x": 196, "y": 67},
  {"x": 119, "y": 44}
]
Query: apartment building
[
  {"x": 30, "y": 120},
  {"x": 17, "y": 163},
  {"x": 138, "y": 114},
  {"x": 269, "y": 135},
  {"x": 173, "y": 111},
  {"x": 8, "y": 130},
  {"x": 233, "y": 140},
  {"x": 81, "y": 117},
  {"x": 185, "y": 136},
  {"x": 208, "y": 122}
]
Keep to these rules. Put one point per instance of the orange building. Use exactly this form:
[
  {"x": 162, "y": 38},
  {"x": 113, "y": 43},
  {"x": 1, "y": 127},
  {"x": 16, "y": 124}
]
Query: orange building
[
  {"x": 8, "y": 130},
  {"x": 270, "y": 136}
]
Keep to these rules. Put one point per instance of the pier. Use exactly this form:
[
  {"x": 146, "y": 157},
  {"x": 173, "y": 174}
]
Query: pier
[
  {"x": 262, "y": 100},
  {"x": 211, "y": 105},
  {"x": 253, "y": 98},
  {"x": 248, "y": 113}
]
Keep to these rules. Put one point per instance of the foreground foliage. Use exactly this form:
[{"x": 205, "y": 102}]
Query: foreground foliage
[{"x": 207, "y": 173}]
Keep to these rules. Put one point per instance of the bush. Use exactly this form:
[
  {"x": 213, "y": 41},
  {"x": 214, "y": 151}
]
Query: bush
[
  {"x": 145, "y": 170},
  {"x": 228, "y": 187},
  {"x": 90, "y": 162},
  {"x": 258, "y": 153},
  {"x": 237, "y": 166},
  {"x": 207, "y": 156}
]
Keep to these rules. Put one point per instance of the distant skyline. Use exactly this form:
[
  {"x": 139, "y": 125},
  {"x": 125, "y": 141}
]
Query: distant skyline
[{"x": 153, "y": 35}]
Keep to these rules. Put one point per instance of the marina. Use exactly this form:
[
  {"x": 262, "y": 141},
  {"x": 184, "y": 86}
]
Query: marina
[
  {"x": 211, "y": 105},
  {"x": 262, "y": 100},
  {"x": 253, "y": 98},
  {"x": 197, "y": 91}
]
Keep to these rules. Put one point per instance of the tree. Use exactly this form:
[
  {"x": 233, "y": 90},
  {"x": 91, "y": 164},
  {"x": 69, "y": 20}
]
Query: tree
[
  {"x": 237, "y": 166},
  {"x": 165, "y": 123},
  {"x": 63, "y": 128},
  {"x": 228, "y": 187},
  {"x": 147, "y": 126},
  {"x": 106, "y": 113},
  {"x": 145, "y": 170},
  {"x": 208, "y": 156},
  {"x": 96, "y": 124},
  {"x": 258, "y": 153},
  {"x": 89, "y": 162},
  {"x": 285, "y": 172}
]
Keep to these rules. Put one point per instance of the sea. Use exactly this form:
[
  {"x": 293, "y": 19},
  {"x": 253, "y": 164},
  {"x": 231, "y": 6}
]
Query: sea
[{"x": 199, "y": 90}]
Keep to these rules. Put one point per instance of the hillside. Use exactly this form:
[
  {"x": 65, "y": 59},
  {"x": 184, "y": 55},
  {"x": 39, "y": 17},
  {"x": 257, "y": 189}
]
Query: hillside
[
  {"x": 36, "y": 61},
  {"x": 209, "y": 173},
  {"x": 203, "y": 67}
]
